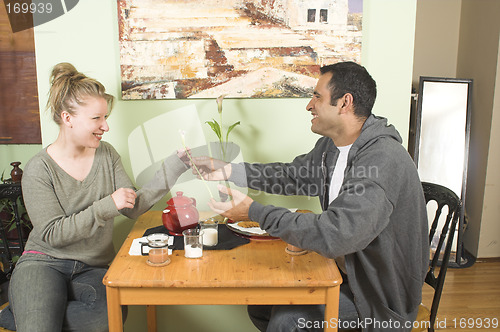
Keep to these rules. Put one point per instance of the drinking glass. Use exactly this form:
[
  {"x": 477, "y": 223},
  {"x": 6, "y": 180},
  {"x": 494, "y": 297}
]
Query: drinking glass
[
  {"x": 210, "y": 232},
  {"x": 193, "y": 243}
]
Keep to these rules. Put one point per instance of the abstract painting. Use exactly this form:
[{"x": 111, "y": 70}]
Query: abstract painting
[{"x": 177, "y": 49}]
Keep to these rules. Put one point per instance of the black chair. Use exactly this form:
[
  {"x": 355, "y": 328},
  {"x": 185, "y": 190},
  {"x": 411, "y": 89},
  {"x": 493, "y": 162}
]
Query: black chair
[
  {"x": 438, "y": 258},
  {"x": 13, "y": 192}
]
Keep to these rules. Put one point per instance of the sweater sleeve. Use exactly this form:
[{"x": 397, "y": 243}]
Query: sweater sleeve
[
  {"x": 349, "y": 224},
  {"x": 299, "y": 177},
  {"x": 164, "y": 179}
]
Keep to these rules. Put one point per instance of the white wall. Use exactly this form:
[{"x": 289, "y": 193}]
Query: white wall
[
  {"x": 478, "y": 59},
  {"x": 489, "y": 243},
  {"x": 436, "y": 39}
]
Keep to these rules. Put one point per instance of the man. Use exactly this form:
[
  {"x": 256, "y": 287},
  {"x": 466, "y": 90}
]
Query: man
[{"x": 374, "y": 220}]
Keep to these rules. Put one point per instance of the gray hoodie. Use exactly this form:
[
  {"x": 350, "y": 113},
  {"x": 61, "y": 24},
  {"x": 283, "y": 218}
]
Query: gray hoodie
[{"x": 378, "y": 221}]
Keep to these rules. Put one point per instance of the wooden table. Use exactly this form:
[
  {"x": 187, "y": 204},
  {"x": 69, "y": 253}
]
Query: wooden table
[{"x": 260, "y": 272}]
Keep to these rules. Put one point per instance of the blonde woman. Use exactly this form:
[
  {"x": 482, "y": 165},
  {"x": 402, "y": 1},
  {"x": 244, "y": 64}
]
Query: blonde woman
[{"x": 73, "y": 189}]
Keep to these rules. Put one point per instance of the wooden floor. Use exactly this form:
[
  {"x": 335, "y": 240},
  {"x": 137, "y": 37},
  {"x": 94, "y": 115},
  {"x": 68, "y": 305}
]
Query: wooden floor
[{"x": 471, "y": 297}]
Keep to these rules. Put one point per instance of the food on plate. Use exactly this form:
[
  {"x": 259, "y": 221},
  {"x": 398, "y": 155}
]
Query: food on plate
[{"x": 248, "y": 224}]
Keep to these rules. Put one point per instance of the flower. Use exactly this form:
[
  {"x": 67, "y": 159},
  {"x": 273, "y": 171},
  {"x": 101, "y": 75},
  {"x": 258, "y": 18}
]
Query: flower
[
  {"x": 183, "y": 136},
  {"x": 217, "y": 127},
  {"x": 219, "y": 103}
]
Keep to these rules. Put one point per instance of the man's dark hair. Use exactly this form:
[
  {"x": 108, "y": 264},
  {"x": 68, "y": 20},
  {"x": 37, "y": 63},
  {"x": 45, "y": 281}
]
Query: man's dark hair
[{"x": 350, "y": 77}]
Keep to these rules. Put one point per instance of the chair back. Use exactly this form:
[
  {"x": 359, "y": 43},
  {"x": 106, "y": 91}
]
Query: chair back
[
  {"x": 443, "y": 197},
  {"x": 12, "y": 192}
]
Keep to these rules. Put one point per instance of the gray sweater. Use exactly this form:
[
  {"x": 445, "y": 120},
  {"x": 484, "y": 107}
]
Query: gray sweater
[
  {"x": 74, "y": 219},
  {"x": 378, "y": 221}
]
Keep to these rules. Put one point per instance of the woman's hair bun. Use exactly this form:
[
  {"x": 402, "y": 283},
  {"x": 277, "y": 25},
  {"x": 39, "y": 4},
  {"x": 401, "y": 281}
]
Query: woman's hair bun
[{"x": 63, "y": 70}]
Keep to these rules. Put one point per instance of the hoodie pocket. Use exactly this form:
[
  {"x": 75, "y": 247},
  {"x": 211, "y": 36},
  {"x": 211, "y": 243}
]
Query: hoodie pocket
[{"x": 389, "y": 320}]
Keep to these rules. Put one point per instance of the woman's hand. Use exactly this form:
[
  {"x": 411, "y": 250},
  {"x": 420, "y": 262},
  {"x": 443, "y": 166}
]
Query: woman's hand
[
  {"x": 124, "y": 198},
  {"x": 183, "y": 156}
]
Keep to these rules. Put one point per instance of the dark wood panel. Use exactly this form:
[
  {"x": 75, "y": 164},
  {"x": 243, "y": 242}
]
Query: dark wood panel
[{"x": 19, "y": 109}]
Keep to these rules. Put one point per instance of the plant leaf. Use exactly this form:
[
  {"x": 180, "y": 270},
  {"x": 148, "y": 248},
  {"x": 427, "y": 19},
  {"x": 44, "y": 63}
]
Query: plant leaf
[
  {"x": 216, "y": 128},
  {"x": 4, "y": 202},
  {"x": 231, "y": 128}
]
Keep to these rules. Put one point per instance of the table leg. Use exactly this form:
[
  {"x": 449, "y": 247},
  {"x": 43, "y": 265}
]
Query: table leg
[
  {"x": 151, "y": 317},
  {"x": 115, "y": 320},
  {"x": 332, "y": 308}
]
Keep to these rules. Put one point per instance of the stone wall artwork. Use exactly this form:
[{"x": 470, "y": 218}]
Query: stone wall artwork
[{"x": 176, "y": 49}]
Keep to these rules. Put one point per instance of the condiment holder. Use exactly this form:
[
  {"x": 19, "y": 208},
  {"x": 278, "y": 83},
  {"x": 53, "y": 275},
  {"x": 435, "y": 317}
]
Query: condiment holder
[
  {"x": 193, "y": 243},
  {"x": 158, "y": 252},
  {"x": 210, "y": 232},
  {"x": 158, "y": 257}
]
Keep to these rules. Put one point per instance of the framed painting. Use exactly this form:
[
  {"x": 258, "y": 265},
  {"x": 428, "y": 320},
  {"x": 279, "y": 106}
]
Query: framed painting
[{"x": 176, "y": 49}]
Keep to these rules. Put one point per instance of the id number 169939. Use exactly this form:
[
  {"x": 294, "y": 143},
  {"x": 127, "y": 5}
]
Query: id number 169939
[
  {"x": 475, "y": 323},
  {"x": 24, "y": 8}
]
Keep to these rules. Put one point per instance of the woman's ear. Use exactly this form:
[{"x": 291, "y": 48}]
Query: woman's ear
[{"x": 66, "y": 119}]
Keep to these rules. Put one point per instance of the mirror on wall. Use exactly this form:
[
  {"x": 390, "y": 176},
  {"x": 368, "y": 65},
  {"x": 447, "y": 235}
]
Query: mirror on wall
[{"x": 441, "y": 139}]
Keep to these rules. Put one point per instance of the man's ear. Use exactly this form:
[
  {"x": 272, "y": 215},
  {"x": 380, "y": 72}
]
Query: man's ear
[
  {"x": 66, "y": 119},
  {"x": 347, "y": 102}
]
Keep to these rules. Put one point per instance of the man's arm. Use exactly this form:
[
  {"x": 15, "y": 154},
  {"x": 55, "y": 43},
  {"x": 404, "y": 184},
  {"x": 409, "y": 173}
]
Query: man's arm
[{"x": 302, "y": 176}]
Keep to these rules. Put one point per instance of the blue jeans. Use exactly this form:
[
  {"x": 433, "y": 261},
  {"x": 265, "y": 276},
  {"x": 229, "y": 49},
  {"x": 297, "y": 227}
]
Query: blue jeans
[
  {"x": 50, "y": 294},
  {"x": 295, "y": 318}
]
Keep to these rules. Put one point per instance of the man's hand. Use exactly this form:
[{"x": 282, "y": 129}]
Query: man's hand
[
  {"x": 236, "y": 209},
  {"x": 212, "y": 169}
]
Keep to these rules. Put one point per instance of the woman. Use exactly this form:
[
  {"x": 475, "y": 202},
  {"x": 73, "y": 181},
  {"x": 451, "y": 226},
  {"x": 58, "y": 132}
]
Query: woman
[{"x": 72, "y": 190}]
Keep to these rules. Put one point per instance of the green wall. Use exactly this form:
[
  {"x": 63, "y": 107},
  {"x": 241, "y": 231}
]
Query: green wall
[
  {"x": 271, "y": 130},
  {"x": 14, "y": 152}
]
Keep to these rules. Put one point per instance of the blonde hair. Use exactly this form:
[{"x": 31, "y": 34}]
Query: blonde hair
[{"x": 69, "y": 87}]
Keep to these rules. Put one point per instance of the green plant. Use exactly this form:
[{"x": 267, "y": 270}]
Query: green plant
[
  {"x": 8, "y": 217},
  {"x": 223, "y": 140},
  {"x": 218, "y": 129},
  {"x": 8, "y": 221}
]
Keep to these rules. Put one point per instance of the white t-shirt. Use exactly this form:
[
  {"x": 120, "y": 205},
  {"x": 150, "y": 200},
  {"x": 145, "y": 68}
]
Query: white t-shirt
[
  {"x": 338, "y": 172},
  {"x": 336, "y": 184}
]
